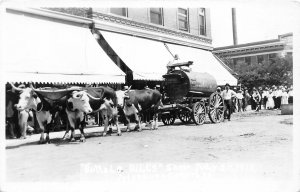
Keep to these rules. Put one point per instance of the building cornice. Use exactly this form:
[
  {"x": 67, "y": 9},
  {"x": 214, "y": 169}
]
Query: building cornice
[
  {"x": 241, "y": 51},
  {"x": 52, "y": 14},
  {"x": 127, "y": 26}
]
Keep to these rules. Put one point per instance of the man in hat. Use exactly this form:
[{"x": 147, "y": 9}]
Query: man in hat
[
  {"x": 257, "y": 99},
  {"x": 219, "y": 90},
  {"x": 227, "y": 94},
  {"x": 157, "y": 87}
]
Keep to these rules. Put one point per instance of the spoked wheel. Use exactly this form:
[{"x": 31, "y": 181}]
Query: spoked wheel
[
  {"x": 185, "y": 116},
  {"x": 168, "y": 118},
  {"x": 199, "y": 113},
  {"x": 216, "y": 108}
]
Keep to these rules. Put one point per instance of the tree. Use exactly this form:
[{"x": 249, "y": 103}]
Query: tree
[{"x": 276, "y": 71}]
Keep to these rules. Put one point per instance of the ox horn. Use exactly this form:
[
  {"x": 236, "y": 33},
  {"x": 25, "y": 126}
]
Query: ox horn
[
  {"x": 73, "y": 94},
  {"x": 31, "y": 86},
  {"x": 14, "y": 87},
  {"x": 94, "y": 98}
]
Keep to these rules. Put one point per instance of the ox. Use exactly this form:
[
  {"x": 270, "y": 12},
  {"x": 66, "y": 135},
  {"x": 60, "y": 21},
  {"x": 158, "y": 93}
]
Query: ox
[
  {"x": 16, "y": 120},
  {"x": 76, "y": 108},
  {"x": 46, "y": 104},
  {"x": 105, "y": 102},
  {"x": 101, "y": 99},
  {"x": 139, "y": 102}
]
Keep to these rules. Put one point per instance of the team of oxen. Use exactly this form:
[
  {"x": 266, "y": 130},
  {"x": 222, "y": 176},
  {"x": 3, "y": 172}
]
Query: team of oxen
[{"x": 74, "y": 103}]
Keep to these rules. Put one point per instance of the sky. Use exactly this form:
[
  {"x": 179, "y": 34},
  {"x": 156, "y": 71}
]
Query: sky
[{"x": 254, "y": 22}]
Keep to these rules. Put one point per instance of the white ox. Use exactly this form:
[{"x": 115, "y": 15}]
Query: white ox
[{"x": 77, "y": 106}]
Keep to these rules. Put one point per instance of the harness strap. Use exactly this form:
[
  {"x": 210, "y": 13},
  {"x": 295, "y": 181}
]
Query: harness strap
[{"x": 39, "y": 110}]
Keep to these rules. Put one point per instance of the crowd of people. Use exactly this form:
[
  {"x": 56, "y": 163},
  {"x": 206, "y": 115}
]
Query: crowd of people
[{"x": 270, "y": 97}]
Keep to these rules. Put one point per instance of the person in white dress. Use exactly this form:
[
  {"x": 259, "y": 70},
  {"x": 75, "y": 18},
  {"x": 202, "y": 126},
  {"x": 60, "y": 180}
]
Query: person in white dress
[
  {"x": 284, "y": 97},
  {"x": 270, "y": 101}
]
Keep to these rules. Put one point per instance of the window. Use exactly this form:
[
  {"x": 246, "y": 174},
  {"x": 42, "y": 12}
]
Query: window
[
  {"x": 156, "y": 16},
  {"x": 260, "y": 59},
  {"x": 202, "y": 23},
  {"x": 183, "y": 19},
  {"x": 119, "y": 11}
]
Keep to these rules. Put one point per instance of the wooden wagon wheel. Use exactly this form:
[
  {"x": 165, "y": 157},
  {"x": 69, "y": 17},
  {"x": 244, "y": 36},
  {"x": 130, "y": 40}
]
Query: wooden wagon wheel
[
  {"x": 216, "y": 108},
  {"x": 185, "y": 116},
  {"x": 168, "y": 118},
  {"x": 199, "y": 113}
]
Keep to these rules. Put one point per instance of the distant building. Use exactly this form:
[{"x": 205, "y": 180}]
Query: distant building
[{"x": 256, "y": 52}]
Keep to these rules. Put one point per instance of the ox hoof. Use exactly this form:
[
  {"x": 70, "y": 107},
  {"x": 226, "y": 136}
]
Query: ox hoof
[
  {"x": 42, "y": 142},
  {"x": 22, "y": 137},
  {"x": 82, "y": 140},
  {"x": 110, "y": 131},
  {"x": 103, "y": 134},
  {"x": 119, "y": 134},
  {"x": 72, "y": 140}
]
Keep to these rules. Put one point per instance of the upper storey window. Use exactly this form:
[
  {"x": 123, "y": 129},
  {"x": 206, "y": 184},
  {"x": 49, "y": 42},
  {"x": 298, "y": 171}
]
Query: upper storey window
[
  {"x": 119, "y": 11},
  {"x": 183, "y": 19},
  {"x": 156, "y": 16},
  {"x": 202, "y": 23}
]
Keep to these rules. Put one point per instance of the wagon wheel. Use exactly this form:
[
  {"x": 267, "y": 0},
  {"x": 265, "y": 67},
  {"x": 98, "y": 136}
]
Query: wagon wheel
[
  {"x": 185, "y": 116},
  {"x": 199, "y": 113},
  {"x": 216, "y": 108},
  {"x": 168, "y": 118}
]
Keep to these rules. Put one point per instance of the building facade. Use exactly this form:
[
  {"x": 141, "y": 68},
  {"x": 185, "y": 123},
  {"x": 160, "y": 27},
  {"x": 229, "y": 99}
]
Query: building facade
[
  {"x": 141, "y": 41},
  {"x": 185, "y": 26},
  {"x": 256, "y": 52}
]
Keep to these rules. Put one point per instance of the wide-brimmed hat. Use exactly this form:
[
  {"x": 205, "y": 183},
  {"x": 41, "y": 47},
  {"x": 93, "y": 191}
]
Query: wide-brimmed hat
[
  {"x": 125, "y": 87},
  {"x": 218, "y": 88},
  {"x": 227, "y": 84}
]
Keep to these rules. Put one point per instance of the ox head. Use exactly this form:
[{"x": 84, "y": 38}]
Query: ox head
[
  {"x": 28, "y": 99},
  {"x": 107, "y": 103},
  {"x": 122, "y": 96},
  {"x": 79, "y": 100}
]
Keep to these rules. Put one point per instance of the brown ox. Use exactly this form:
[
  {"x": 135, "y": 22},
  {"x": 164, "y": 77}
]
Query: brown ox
[{"x": 140, "y": 102}]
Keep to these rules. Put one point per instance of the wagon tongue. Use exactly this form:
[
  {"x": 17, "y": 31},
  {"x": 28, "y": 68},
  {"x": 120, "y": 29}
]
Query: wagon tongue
[{"x": 54, "y": 93}]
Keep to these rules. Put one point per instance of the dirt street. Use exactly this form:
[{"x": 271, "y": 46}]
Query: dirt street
[{"x": 252, "y": 147}]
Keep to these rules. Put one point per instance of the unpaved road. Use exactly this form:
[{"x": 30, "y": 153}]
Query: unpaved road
[{"x": 252, "y": 147}]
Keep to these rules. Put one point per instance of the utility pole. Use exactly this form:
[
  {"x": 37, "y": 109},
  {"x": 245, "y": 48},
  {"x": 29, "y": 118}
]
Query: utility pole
[{"x": 235, "y": 41}]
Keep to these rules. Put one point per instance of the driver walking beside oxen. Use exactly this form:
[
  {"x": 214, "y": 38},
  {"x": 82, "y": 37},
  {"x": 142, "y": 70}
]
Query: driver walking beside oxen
[{"x": 227, "y": 94}]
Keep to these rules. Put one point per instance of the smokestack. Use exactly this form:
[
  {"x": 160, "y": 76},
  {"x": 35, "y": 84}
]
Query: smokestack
[{"x": 235, "y": 42}]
